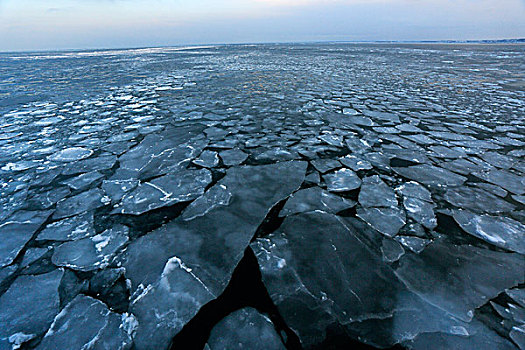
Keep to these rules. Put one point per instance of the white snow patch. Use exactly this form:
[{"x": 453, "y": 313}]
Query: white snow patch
[
  {"x": 459, "y": 330},
  {"x": 19, "y": 338},
  {"x": 100, "y": 241},
  {"x": 175, "y": 263},
  {"x": 281, "y": 263},
  {"x": 143, "y": 291},
  {"x": 129, "y": 323}
]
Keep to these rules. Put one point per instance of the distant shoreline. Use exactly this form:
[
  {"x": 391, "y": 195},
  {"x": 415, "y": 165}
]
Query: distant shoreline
[
  {"x": 520, "y": 41},
  {"x": 482, "y": 41}
]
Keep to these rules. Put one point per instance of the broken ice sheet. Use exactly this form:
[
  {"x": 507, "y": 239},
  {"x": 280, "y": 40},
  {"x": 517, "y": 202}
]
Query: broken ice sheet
[
  {"x": 70, "y": 229},
  {"x": 207, "y": 159},
  {"x": 496, "y": 190},
  {"x": 33, "y": 254},
  {"x": 325, "y": 165},
  {"x": 415, "y": 244},
  {"x": 276, "y": 154},
  {"x": 519, "y": 198},
  {"x": 410, "y": 156},
  {"x": 10, "y": 201},
  {"x": 87, "y": 323},
  {"x": 315, "y": 198},
  {"x": 411, "y": 318},
  {"x": 479, "y": 337},
  {"x": 463, "y": 166},
  {"x": 245, "y": 329},
  {"x": 445, "y": 274},
  {"x": 314, "y": 265},
  {"x": 164, "y": 153},
  {"x": 498, "y": 160},
  {"x": 421, "y": 211},
  {"x": 163, "y": 191},
  {"x": 191, "y": 261},
  {"x": 375, "y": 193},
  {"x": 436, "y": 125},
  {"x": 99, "y": 163},
  {"x": 215, "y": 196},
  {"x": 334, "y": 140},
  {"x": 71, "y": 154},
  {"x": 7, "y": 272},
  {"x": 379, "y": 160},
  {"x": 19, "y": 166},
  {"x": 477, "y": 200},
  {"x": 45, "y": 200},
  {"x": 342, "y": 180},
  {"x": 518, "y": 295},
  {"x": 110, "y": 287},
  {"x": 233, "y": 157},
  {"x": 510, "y": 312},
  {"x": 81, "y": 203},
  {"x": 500, "y": 231},
  {"x": 447, "y": 152},
  {"x": 93, "y": 252},
  {"x": 17, "y": 230},
  {"x": 355, "y": 163},
  {"x": 431, "y": 175},
  {"x": 388, "y": 221},
  {"x": 29, "y": 306},
  {"x": 505, "y": 179},
  {"x": 360, "y": 120},
  {"x": 517, "y": 334},
  {"x": 82, "y": 181},
  {"x": 116, "y": 189},
  {"x": 392, "y": 250},
  {"x": 319, "y": 272},
  {"x": 215, "y": 133}
]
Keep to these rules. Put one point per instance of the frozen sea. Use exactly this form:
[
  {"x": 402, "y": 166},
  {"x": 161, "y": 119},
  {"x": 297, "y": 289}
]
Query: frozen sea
[{"x": 276, "y": 196}]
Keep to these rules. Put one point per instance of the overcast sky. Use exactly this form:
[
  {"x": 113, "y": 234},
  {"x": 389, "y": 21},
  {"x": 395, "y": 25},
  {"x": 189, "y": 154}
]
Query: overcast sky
[{"x": 59, "y": 24}]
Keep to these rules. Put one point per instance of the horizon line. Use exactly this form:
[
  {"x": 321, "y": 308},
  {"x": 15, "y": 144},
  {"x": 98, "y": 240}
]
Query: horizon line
[{"x": 519, "y": 40}]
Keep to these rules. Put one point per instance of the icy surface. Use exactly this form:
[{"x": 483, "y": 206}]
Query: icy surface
[
  {"x": 165, "y": 191},
  {"x": 431, "y": 175},
  {"x": 381, "y": 187},
  {"x": 86, "y": 323},
  {"x": 91, "y": 253},
  {"x": 29, "y": 305},
  {"x": 245, "y": 329},
  {"x": 314, "y": 198},
  {"x": 441, "y": 273},
  {"x": 207, "y": 159},
  {"x": 190, "y": 260},
  {"x": 233, "y": 157},
  {"x": 375, "y": 193},
  {"x": 391, "y": 250},
  {"x": 502, "y": 232},
  {"x": 71, "y": 154},
  {"x": 215, "y": 196},
  {"x": 69, "y": 229},
  {"x": 478, "y": 200},
  {"x": 16, "y": 231},
  {"x": 342, "y": 180},
  {"x": 421, "y": 211},
  {"x": 388, "y": 221},
  {"x": 80, "y": 203},
  {"x": 319, "y": 271}
]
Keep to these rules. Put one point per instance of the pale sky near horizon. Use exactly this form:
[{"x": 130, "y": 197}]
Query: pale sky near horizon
[{"x": 76, "y": 24}]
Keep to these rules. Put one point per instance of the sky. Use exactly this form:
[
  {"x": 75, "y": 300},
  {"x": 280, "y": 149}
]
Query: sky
[{"x": 79, "y": 24}]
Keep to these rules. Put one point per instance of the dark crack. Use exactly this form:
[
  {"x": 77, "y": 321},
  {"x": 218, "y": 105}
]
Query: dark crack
[{"x": 245, "y": 289}]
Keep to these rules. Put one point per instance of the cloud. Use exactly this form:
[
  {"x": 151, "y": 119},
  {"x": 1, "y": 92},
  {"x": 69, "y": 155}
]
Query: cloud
[{"x": 32, "y": 24}]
